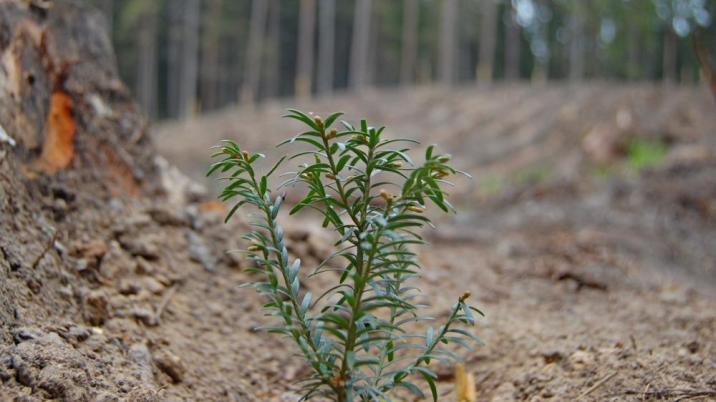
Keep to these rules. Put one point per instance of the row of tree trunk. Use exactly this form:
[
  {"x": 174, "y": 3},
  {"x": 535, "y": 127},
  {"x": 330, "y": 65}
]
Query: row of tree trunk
[{"x": 191, "y": 77}]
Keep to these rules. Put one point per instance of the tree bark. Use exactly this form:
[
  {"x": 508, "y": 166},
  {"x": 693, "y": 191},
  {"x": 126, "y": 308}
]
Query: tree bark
[
  {"x": 448, "y": 39},
  {"x": 633, "y": 53},
  {"x": 190, "y": 58},
  {"x": 409, "y": 48},
  {"x": 146, "y": 83},
  {"x": 670, "y": 67},
  {"x": 358, "y": 69},
  {"x": 304, "y": 56},
  {"x": 513, "y": 45},
  {"x": 252, "y": 68},
  {"x": 273, "y": 52},
  {"x": 488, "y": 41},
  {"x": 63, "y": 106},
  {"x": 174, "y": 47},
  {"x": 107, "y": 7},
  {"x": 326, "y": 46},
  {"x": 210, "y": 56},
  {"x": 373, "y": 57},
  {"x": 576, "y": 44}
]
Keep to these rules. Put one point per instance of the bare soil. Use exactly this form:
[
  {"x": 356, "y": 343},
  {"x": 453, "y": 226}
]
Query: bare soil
[{"x": 596, "y": 287}]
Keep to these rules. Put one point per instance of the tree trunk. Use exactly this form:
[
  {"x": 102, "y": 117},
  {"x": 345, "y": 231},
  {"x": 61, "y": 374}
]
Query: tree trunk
[
  {"x": 513, "y": 45},
  {"x": 326, "y": 46},
  {"x": 409, "y": 48},
  {"x": 702, "y": 56},
  {"x": 64, "y": 108},
  {"x": 174, "y": 47},
  {"x": 146, "y": 83},
  {"x": 358, "y": 69},
  {"x": 107, "y": 7},
  {"x": 273, "y": 57},
  {"x": 670, "y": 46},
  {"x": 633, "y": 53},
  {"x": 252, "y": 68},
  {"x": 488, "y": 41},
  {"x": 210, "y": 57},
  {"x": 304, "y": 56},
  {"x": 448, "y": 39},
  {"x": 373, "y": 56},
  {"x": 190, "y": 58},
  {"x": 576, "y": 44}
]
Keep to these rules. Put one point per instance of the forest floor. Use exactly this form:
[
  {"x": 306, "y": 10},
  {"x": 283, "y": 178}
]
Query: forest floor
[{"x": 588, "y": 237}]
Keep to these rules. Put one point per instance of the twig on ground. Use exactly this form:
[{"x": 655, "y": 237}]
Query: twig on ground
[
  {"x": 163, "y": 304},
  {"x": 678, "y": 394},
  {"x": 47, "y": 248},
  {"x": 597, "y": 385}
]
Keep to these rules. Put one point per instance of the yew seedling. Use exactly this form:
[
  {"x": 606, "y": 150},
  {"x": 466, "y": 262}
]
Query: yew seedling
[{"x": 357, "y": 336}]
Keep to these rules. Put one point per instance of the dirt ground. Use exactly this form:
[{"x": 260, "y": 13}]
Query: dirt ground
[{"x": 598, "y": 279}]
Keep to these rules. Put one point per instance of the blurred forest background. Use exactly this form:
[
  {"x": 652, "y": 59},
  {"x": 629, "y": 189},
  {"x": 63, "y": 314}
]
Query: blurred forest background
[{"x": 186, "y": 57}]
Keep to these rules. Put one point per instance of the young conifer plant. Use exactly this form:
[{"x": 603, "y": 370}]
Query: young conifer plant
[{"x": 358, "y": 335}]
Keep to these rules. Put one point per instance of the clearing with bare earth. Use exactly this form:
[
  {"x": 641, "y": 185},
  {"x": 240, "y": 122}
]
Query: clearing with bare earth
[{"x": 588, "y": 236}]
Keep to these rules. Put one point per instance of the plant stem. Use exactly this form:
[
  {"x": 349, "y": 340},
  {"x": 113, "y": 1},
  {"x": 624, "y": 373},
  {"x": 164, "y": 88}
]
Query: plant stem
[{"x": 306, "y": 331}]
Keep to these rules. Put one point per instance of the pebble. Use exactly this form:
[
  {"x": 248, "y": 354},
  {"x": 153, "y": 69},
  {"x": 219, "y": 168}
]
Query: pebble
[
  {"x": 96, "y": 307},
  {"x": 140, "y": 354},
  {"x": 171, "y": 365},
  {"x": 78, "y": 332},
  {"x": 290, "y": 397},
  {"x": 152, "y": 285},
  {"x": 144, "y": 315},
  {"x": 23, "y": 334},
  {"x": 168, "y": 217},
  {"x": 552, "y": 357},
  {"x": 581, "y": 358},
  {"x": 142, "y": 246},
  {"x": 199, "y": 252}
]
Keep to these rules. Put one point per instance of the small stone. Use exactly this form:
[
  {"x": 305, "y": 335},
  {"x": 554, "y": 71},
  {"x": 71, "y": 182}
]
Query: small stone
[
  {"x": 144, "y": 315},
  {"x": 4, "y": 374},
  {"x": 59, "y": 247},
  {"x": 78, "y": 333},
  {"x": 142, "y": 246},
  {"x": 23, "y": 372},
  {"x": 289, "y": 373},
  {"x": 23, "y": 334},
  {"x": 116, "y": 263},
  {"x": 693, "y": 346},
  {"x": 200, "y": 252},
  {"x": 58, "y": 384},
  {"x": 91, "y": 250},
  {"x": 129, "y": 286},
  {"x": 290, "y": 397},
  {"x": 131, "y": 223},
  {"x": 581, "y": 358},
  {"x": 140, "y": 354},
  {"x": 168, "y": 217},
  {"x": 171, "y": 365},
  {"x": 96, "y": 307},
  {"x": 152, "y": 285},
  {"x": 144, "y": 267},
  {"x": 66, "y": 292},
  {"x": 552, "y": 357},
  {"x": 81, "y": 265}
]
